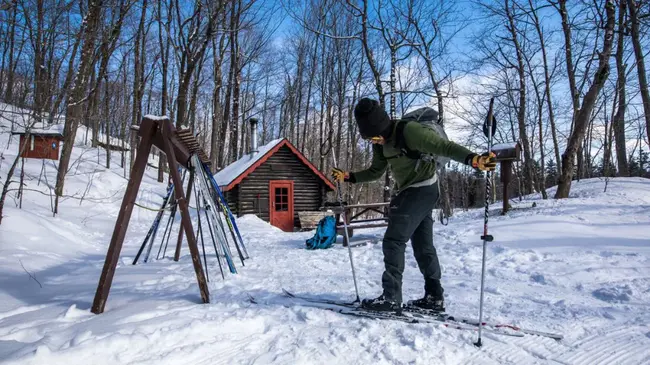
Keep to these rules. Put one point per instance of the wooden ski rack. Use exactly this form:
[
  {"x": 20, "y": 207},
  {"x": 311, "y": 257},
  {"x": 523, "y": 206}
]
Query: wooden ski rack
[{"x": 179, "y": 146}]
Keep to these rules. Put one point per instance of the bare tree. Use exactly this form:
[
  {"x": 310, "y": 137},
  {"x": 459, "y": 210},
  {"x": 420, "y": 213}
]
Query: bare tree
[
  {"x": 218, "y": 54},
  {"x": 588, "y": 102},
  {"x": 521, "y": 107},
  {"x": 618, "y": 122},
  {"x": 139, "y": 58},
  {"x": 74, "y": 110},
  {"x": 11, "y": 64},
  {"x": 632, "y": 8},
  {"x": 80, "y": 93},
  {"x": 194, "y": 35},
  {"x": 547, "y": 82},
  {"x": 28, "y": 121},
  {"x": 164, "y": 44}
]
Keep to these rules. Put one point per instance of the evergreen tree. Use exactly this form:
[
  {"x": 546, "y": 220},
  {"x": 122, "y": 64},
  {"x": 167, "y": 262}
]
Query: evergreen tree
[
  {"x": 605, "y": 171},
  {"x": 634, "y": 166},
  {"x": 644, "y": 164},
  {"x": 640, "y": 164},
  {"x": 551, "y": 173}
]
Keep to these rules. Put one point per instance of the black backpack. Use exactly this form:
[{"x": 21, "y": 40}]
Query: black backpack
[{"x": 427, "y": 117}]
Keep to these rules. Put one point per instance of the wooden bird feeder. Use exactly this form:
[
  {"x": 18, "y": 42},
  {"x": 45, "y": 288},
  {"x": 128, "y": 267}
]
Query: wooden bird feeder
[{"x": 506, "y": 154}]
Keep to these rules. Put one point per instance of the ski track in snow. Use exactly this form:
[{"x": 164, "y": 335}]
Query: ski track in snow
[{"x": 580, "y": 267}]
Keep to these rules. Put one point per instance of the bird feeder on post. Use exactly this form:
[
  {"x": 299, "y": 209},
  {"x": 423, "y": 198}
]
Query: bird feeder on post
[{"x": 506, "y": 153}]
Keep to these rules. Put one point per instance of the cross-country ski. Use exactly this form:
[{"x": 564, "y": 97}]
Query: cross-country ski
[{"x": 425, "y": 313}]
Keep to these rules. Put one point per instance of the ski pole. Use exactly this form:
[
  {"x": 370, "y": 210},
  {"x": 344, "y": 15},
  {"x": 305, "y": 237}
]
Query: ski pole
[
  {"x": 345, "y": 229},
  {"x": 488, "y": 128},
  {"x": 154, "y": 227}
]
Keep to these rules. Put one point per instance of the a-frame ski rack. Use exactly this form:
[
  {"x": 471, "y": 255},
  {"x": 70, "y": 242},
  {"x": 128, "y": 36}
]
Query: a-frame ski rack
[{"x": 159, "y": 132}]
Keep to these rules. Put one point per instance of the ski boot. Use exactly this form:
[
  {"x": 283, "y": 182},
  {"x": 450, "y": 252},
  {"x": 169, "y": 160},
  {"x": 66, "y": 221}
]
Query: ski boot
[
  {"x": 382, "y": 304},
  {"x": 430, "y": 303}
]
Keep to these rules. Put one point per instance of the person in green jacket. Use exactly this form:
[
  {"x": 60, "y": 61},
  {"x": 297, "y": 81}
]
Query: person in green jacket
[{"x": 410, "y": 209}]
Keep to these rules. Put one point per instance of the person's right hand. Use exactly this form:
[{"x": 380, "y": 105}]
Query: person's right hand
[{"x": 340, "y": 175}]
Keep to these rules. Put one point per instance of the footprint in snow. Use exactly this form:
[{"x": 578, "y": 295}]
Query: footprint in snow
[{"x": 614, "y": 294}]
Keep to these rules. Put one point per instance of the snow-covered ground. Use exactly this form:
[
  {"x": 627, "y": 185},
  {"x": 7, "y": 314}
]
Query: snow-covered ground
[{"x": 579, "y": 266}]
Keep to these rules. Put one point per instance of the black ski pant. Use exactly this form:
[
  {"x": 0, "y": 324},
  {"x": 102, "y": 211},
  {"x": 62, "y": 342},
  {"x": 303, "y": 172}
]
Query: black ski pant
[{"x": 410, "y": 218}]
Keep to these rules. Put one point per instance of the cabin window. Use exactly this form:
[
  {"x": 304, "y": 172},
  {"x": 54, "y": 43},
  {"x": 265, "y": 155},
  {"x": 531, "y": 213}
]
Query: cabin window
[
  {"x": 31, "y": 144},
  {"x": 281, "y": 199}
]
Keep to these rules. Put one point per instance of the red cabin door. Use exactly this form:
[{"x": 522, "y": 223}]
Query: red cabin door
[{"x": 281, "y": 204}]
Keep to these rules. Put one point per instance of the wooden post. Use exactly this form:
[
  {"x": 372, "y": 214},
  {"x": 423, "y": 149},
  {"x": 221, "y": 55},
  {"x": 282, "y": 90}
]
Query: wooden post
[
  {"x": 506, "y": 176},
  {"x": 122, "y": 222},
  {"x": 177, "y": 254},
  {"x": 182, "y": 205}
]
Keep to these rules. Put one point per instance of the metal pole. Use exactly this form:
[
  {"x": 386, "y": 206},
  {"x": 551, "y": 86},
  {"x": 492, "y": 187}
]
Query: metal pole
[
  {"x": 345, "y": 230},
  {"x": 485, "y": 237}
]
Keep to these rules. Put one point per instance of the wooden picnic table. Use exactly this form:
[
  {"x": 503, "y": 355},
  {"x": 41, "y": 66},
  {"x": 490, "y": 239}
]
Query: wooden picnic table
[{"x": 354, "y": 223}]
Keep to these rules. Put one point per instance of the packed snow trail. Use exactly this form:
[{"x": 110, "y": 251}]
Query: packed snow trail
[{"x": 580, "y": 267}]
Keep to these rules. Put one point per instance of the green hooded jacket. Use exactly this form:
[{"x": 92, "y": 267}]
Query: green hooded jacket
[{"x": 417, "y": 137}]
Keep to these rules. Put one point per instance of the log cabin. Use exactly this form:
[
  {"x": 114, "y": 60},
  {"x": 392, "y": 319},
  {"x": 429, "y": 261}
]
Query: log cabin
[{"x": 275, "y": 182}]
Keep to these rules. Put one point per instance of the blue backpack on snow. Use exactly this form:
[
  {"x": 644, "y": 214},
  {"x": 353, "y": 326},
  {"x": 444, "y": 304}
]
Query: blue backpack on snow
[{"x": 325, "y": 234}]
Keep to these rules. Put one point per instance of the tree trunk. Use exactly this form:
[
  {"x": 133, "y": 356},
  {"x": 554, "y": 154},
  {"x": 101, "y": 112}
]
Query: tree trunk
[
  {"x": 193, "y": 96},
  {"x": 217, "y": 113},
  {"x": 607, "y": 150},
  {"x": 74, "y": 109},
  {"x": 68, "y": 79},
  {"x": 369, "y": 55},
  {"x": 225, "y": 127},
  {"x": 138, "y": 79},
  {"x": 547, "y": 89},
  {"x": 618, "y": 123},
  {"x": 5, "y": 187},
  {"x": 321, "y": 131},
  {"x": 295, "y": 119},
  {"x": 312, "y": 67},
  {"x": 235, "y": 65},
  {"x": 108, "y": 119},
  {"x": 164, "y": 61},
  {"x": 584, "y": 114},
  {"x": 39, "y": 58},
  {"x": 88, "y": 103},
  {"x": 521, "y": 110},
  {"x": 10, "y": 70},
  {"x": 640, "y": 63},
  {"x": 566, "y": 27}
]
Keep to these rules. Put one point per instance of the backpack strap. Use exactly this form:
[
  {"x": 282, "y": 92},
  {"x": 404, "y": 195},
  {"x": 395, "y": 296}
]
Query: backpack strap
[{"x": 400, "y": 143}]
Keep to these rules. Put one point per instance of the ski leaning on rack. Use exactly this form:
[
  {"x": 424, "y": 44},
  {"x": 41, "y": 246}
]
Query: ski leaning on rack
[{"x": 419, "y": 315}]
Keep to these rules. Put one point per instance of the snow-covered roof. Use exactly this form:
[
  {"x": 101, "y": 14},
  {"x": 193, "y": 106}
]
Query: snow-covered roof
[
  {"x": 156, "y": 117},
  {"x": 508, "y": 151},
  {"x": 232, "y": 171},
  {"x": 504, "y": 146},
  {"x": 233, "y": 174},
  {"x": 42, "y": 130}
]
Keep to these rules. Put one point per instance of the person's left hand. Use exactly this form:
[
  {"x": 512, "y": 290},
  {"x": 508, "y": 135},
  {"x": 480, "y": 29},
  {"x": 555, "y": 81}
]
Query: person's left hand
[{"x": 485, "y": 162}]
